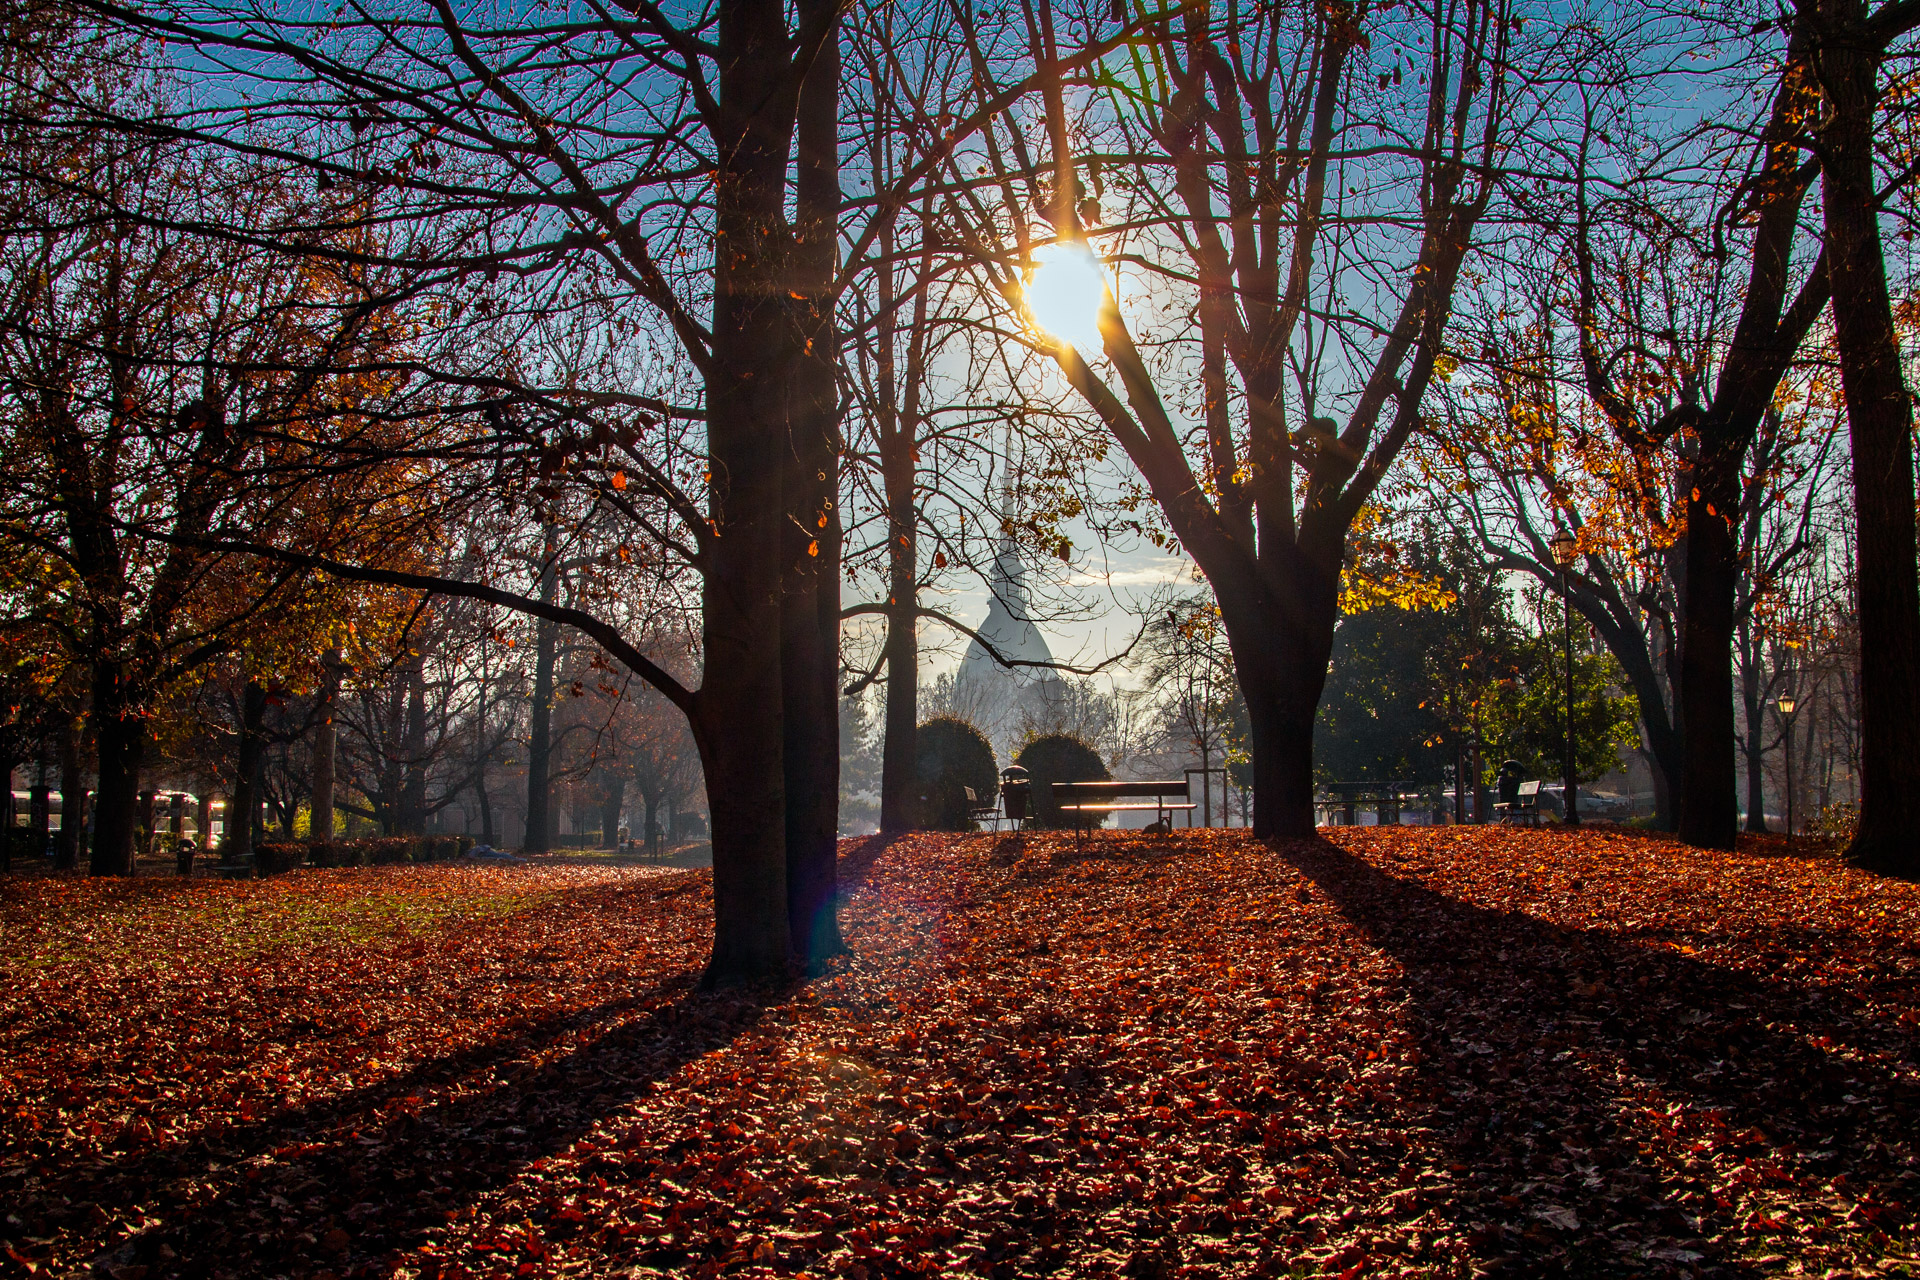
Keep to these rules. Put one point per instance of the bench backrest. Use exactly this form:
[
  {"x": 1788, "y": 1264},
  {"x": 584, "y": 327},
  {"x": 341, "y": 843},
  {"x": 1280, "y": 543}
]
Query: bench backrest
[
  {"x": 1530, "y": 790},
  {"x": 1117, "y": 790}
]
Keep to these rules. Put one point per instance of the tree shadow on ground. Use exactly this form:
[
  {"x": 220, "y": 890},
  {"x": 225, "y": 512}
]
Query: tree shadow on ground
[
  {"x": 1609, "y": 1104},
  {"x": 343, "y": 1184},
  {"x": 858, "y": 855}
]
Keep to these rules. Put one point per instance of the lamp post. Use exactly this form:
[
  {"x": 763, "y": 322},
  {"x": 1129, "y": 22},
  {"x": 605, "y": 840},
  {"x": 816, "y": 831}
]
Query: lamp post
[
  {"x": 1563, "y": 547},
  {"x": 1785, "y": 705}
]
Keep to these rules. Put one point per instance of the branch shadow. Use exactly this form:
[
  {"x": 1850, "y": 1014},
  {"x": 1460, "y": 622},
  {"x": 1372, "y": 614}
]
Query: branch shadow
[{"x": 1577, "y": 1079}]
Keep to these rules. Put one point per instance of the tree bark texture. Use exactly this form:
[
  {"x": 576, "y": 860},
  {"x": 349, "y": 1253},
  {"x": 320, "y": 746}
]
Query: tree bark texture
[
  {"x": 810, "y": 599},
  {"x": 539, "y": 833},
  {"x": 73, "y": 798},
  {"x": 120, "y": 741},
  {"x": 244, "y": 805},
  {"x": 1765, "y": 338},
  {"x": 1880, "y": 426},
  {"x": 739, "y": 713},
  {"x": 1710, "y": 811},
  {"x": 320, "y": 810},
  {"x": 1753, "y": 750},
  {"x": 413, "y": 750}
]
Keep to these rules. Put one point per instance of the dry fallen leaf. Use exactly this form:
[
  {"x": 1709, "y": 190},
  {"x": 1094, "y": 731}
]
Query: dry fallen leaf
[{"x": 1417, "y": 1051}]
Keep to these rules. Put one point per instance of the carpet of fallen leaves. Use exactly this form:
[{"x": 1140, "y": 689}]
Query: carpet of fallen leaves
[{"x": 1410, "y": 1051}]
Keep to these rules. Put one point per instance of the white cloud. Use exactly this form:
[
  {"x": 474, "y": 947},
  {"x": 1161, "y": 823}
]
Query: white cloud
[{"x": 1166, "y": 570}]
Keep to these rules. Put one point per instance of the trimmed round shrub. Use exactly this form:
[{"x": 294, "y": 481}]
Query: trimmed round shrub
[
  {"x": 950, "y": 756},
  {"x": 1060, "y": 757}
]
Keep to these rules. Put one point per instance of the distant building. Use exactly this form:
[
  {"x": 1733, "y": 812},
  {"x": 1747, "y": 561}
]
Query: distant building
[{"x": 1002, "y": 700}]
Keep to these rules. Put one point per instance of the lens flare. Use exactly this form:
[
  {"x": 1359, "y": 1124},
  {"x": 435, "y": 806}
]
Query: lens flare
[{"x": 1065, "y": 294}]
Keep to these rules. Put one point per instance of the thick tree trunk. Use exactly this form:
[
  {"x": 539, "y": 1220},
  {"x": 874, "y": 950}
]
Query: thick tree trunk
[
  {"x": 810, "y": 606},
  {"x": 73, "y": 798},
  {"x": 486, "y": 809},
  {"x": 1281, "y": 642},
  {"x": 320, "y": 811},
  {"x": 120, "y": 740},
  {"x": 738, "y": 715},
  {"x": 1880, "y": 425},
  {"x": 1710, "y": 808},
  {"x": 539, "y": 836},
  {"x": 244, "y": 807},
  {"x": 897, "y": 763},
  {"x": 739, "y": 733},
  {"x": 614, "y": 803},
  {"x": 1763, "y": 342}
]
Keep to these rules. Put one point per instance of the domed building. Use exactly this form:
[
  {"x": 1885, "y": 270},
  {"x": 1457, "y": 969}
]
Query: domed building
[{"x": 995, "y": 687}]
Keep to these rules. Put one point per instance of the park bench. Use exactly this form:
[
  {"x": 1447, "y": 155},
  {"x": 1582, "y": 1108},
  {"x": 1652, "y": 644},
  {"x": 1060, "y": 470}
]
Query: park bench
[
  {"x": 1083, "y": 800},
  {"x": 1345, "y": 799},
  {"x": 1524, "y": 807}
]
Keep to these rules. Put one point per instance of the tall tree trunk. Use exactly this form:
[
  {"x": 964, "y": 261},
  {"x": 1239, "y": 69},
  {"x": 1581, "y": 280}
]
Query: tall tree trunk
[
  {"x": 902, "y": 714},
  {"x": 9, "y": 813},
  {"x": 539, "y": 836},
  {"x": 486, "y": 809},
  {"x": 73, "y": 798},
  {"x": 480, "y": 761},
  {"x": 1280, "y": 653},
  {"x": 320, "y": 812},
  {"x": 1765, "y": 337},
  {"x": 244, "y": 807},
  {"x": 1755, "y": 745},
  {"x": 1709, "y": 814},
  {"x": 810, "y": 607},
  {"x": 611, "y": 807},
  {"x": 413, "y": 747},
  {"x": 1880, "y": 426},
  {"x": 899, "y": 429},
  {"x": 120, "y": 741},
  {"x": 738, "y": 716},
  {"x": 1756, "y": 778}
]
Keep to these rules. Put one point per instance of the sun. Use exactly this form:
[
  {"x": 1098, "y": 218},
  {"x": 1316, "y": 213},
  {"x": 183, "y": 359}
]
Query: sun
[{"x": 1065, "y": 293}]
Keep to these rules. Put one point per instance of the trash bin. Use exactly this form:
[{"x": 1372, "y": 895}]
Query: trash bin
[{"x": 1016, "y": 790}]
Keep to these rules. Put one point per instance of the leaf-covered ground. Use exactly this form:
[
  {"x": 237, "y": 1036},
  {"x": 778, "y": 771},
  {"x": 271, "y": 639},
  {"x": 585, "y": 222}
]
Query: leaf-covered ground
[{"x": 1412, "y": 1051}]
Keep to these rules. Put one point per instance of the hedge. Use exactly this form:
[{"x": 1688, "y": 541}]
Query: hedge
[{"x": 274, "y": 856}]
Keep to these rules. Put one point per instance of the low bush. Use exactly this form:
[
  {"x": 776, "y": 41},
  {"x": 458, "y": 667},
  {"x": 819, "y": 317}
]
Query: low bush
[
  {"x": 950, "y": 755},
  {"x": 382, "y": 851},
  {"x": 1059, "y": 757}
]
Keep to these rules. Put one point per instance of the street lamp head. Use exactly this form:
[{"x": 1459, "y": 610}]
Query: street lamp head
[
  {"x": 1065, "y": 293},
  {"x": 1563, "y": 547},
  {"x": 1786, "y": 704}
]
